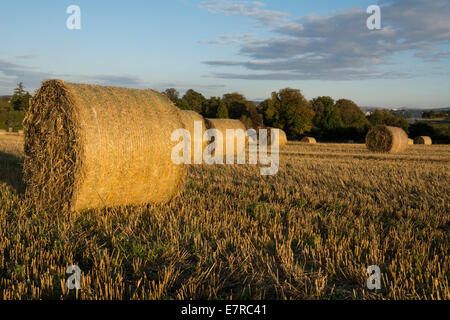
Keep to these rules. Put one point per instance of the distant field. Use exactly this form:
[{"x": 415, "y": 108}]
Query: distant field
[
  {"x": 436, "y": 121},
  {"x": 309, "y": 232}
]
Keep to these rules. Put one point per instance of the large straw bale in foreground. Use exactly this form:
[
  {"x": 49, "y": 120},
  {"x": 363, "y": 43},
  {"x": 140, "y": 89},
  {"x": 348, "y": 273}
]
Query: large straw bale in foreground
[
  {"x": 308, "y": 140},
  {"x": 222, "y": 125},
  {"x": 89, "y": 146},
  {"x": 189, "y": 118},
  {"x": 423, "y": 140},
  {"x": 386, "y": 139}
]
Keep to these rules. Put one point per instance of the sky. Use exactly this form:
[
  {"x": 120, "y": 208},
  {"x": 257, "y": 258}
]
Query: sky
[{"x": 321, "y": 47}]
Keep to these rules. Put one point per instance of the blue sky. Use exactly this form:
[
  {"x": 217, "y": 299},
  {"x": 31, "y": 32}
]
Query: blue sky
[{"x": 254, "y": 47}]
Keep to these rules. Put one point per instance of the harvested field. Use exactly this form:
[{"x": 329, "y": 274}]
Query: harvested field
[{"x": 308, "y": 232}]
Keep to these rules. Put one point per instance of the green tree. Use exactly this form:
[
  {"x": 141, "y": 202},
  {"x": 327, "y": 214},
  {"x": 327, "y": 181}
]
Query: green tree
[
  {"x": 20, "y": 99},
  {"x": 377, "y": 117},
  {"x": 192, "y": 100},
  {"x": 319, "y": 105},
  {"x": 236, "y": 104},
  {"x": 240, "y": 108},
  {"x": 289, "y": 110},
  {"x": 404, "y": 124},
  {"x": 384, "y": 117},
  {"x": 354, "y": 124},
  {"x": 210, "y": 106},
  {"x": 269, "y": 110},
  {"x": 222, "y": 111},
  {"x": 351, "y": 115},
  {"x": 330, "y": 120},
  {"x": 255, "y": 117},
  {"x": 172, "y": 94}
]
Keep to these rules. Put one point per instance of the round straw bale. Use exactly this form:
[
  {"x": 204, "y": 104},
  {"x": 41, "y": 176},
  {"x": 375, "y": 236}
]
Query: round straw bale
[
  {"x": 88, "y": 146},
  {"x": 423, "y": 140},
  {"x": 410, "y": 142},
  {"x": 222, "y": 125},
  {"x": 282, "y": 137},
  {"x": 309, "y": 140},
  {"x": 189, "y": 117},
  {"x": 386, "y": 139},
  {"x": 10, "y": 130}
]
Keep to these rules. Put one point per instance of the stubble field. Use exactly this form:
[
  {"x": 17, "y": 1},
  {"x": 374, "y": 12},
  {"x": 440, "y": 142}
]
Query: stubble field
[{"x": 309, "y": 232}]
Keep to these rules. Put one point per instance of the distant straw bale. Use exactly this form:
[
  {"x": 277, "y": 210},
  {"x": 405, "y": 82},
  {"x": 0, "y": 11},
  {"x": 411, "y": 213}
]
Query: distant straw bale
[
  {"x": 308, "y": 140},
  {"x": 222, "y": 125},
  {"x": 423, "y": 140},
  {"x": 88, "y": 146},
  {"x": 410, "y": 142},
  {"x": 198, "y": 145},
  {"x": 282, "y": 137},
  {"x": 386, "y": 139}
]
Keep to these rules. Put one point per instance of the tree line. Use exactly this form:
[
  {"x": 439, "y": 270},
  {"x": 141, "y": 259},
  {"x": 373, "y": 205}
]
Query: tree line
[
  {"x": 289, "y": 110},
  {"x": 12, "y": 109},
  {"x": 433, "y": 114}
]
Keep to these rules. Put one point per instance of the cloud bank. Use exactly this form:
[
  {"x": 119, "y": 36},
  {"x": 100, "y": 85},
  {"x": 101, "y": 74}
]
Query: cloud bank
[
  {"x": 338, "y": 46},
  {"x": 11, "y": 73}
]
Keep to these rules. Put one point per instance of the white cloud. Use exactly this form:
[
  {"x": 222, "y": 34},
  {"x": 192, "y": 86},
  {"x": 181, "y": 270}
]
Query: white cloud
[
  {"x": 227, "y": 39},
  {"x": 253, "y": 10}
]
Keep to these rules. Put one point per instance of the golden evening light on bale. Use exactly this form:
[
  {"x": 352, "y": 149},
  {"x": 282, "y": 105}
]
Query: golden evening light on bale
[
  {"x": 423, "y": 140},
  {"x": 386, "y": 139},
  {"x": 88, "y": 146}
]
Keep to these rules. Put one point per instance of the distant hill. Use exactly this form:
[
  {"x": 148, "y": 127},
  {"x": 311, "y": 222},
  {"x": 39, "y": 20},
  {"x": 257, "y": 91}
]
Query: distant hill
[
  {"x": 407, "y": 113},
  {"x": 367, "y": 108},
  {"x": 440, "y": 109}
]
